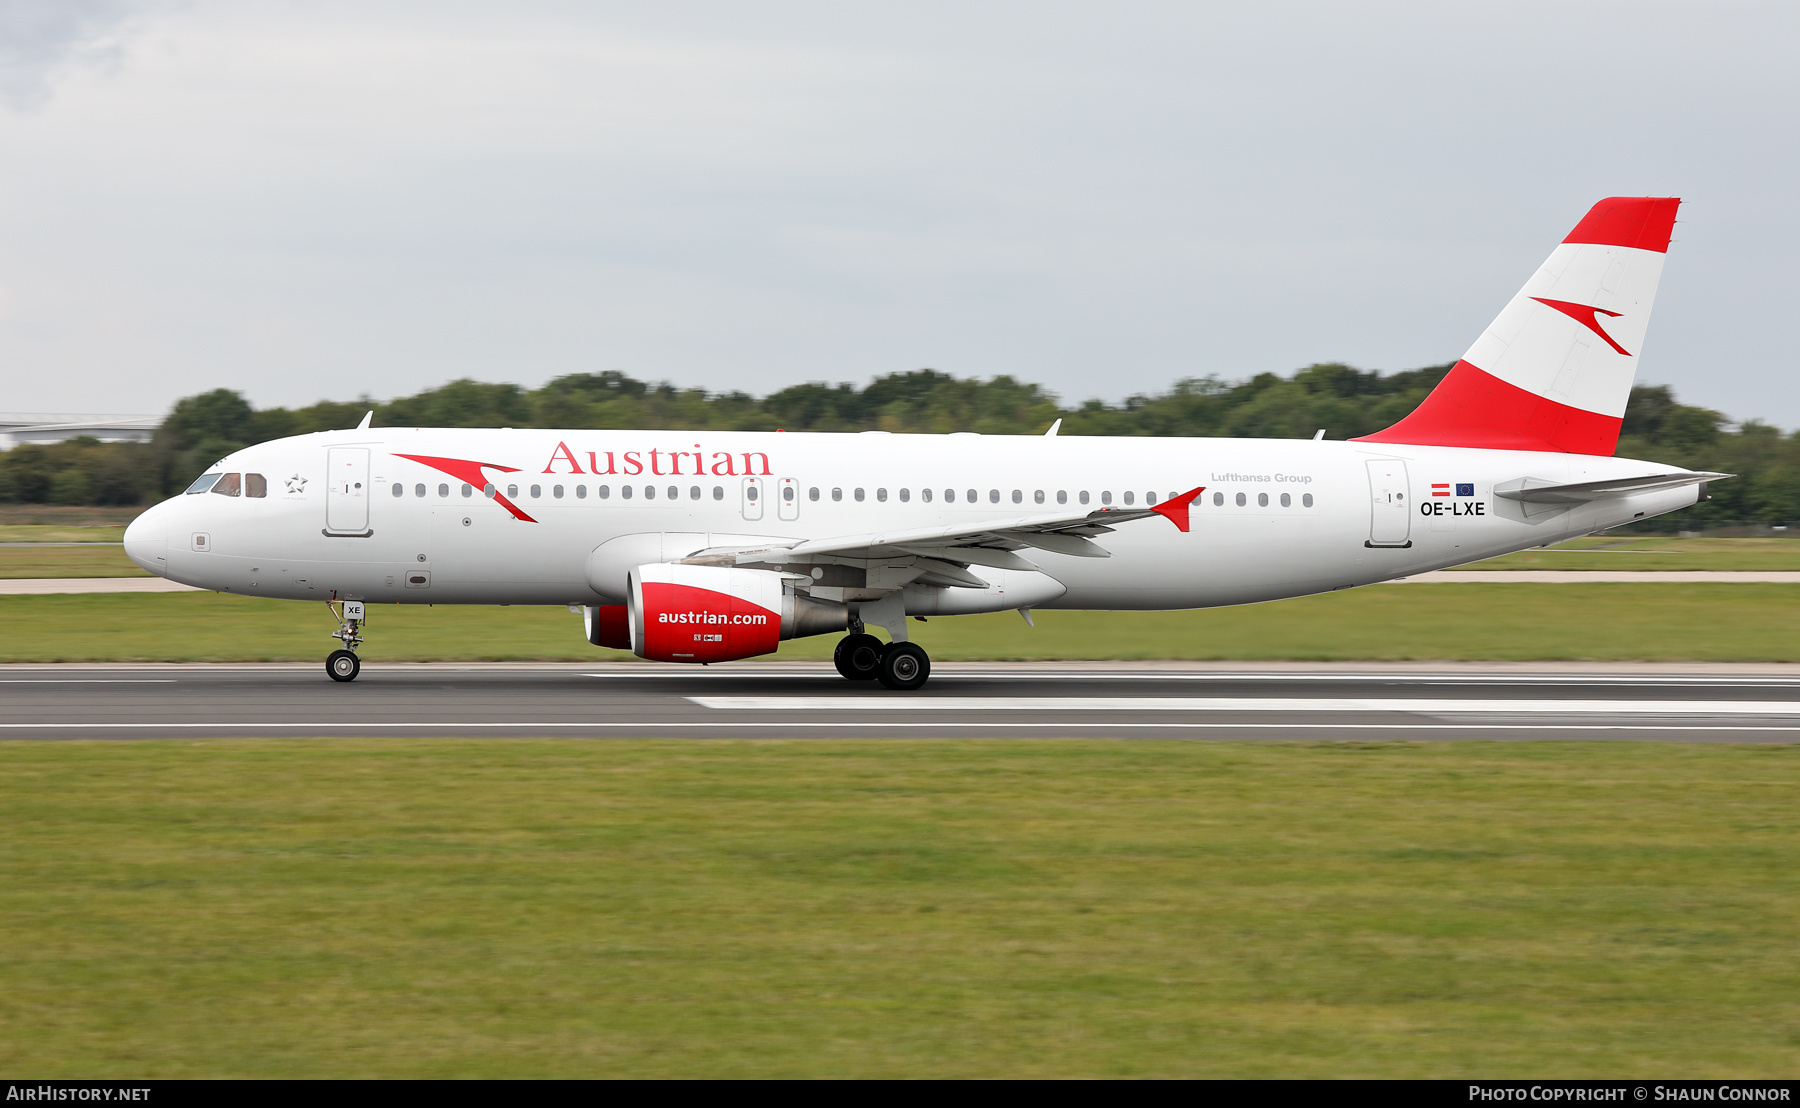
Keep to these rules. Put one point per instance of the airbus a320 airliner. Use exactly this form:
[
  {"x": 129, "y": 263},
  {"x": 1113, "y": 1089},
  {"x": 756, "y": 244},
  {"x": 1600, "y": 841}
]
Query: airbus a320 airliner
[{"x": 707, "y": 547}]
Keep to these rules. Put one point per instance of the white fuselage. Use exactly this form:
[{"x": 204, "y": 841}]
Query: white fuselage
[{"x": 1278, "y": 518}]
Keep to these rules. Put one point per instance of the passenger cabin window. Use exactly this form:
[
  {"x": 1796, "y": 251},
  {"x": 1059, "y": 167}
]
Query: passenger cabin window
[
  {"x": 674, "y": 493},
  {"x": 444, "y": 489},
  {"x": 1018, "y": 497},
  {"x": 399, "y": 489},
  {"x": 1128, "y": 498},
  {"x": 925, "y": 495},
  {"x": 555, "y": 491},
  {"x": 1084, "y": 496},
  {"x": 949, "y": 496},
  {"x": 231, "y": 484},
  {"x": 905, "y": 495},
  {"x": 1306, "y": 500},
  {"x": 624, "y": 492},
  {"x": 581, "y": 492},
  {"x": 812, "y": 493},
  {"x": 1037, "y": 497},
  {"x": 419, "y": 490},
  {"x": 1262, "y": 500},
  {"x": 1106, "y": 497},
  {"x": 1218, "y": 499},
  {"x": 694, "y": 493},
  {"x": 859, "y": 495},
  {"x": 255, "y": 484},
  {"x": 202, "y": 483},
  {"x": 511, "y": 491},
  {"x": 1286, "y": 500},
  {"x": 1240, "y": 500},
  {"x": 603, "y": 492},
  {"x": 468, "y": 490},
  {"x": 537, "y": 491},
  {"x": 1062, "y": 496},
  {"x": 718, "y": 492},
  {"x": 837, "y": 494},
  {"x": 972, "y": 497},
  {"x": 993, "y": 496}
]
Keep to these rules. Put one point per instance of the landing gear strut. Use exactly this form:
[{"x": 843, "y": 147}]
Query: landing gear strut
[{"x": 344, "y": 665}]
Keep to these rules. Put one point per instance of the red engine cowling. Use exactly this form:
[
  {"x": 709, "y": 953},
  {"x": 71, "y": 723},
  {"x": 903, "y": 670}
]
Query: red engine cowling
[
  {"x": 684, "y": 613},
  {"x": 608, "y": 625}
]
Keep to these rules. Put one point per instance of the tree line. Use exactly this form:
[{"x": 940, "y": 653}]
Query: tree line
[{"x": 1343, "y": 401}]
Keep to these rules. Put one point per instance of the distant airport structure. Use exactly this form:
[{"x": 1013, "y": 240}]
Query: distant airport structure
[{"x": 17, "y": 428}]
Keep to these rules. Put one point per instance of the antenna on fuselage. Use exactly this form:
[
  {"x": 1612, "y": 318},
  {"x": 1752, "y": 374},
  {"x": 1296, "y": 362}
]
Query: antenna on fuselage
[
  {"x": 368, "y": 418},
  {"x": 1051, "y": 433}
]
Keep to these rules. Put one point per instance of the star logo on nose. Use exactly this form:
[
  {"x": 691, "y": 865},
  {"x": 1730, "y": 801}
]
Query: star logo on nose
[{"x": 296, "y": 483}]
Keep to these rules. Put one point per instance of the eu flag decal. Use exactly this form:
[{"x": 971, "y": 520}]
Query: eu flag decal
[{"x": 1465, "y": 488}]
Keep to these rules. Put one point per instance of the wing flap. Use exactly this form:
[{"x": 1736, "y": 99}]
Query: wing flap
[{"x": 1537, "y": 490}]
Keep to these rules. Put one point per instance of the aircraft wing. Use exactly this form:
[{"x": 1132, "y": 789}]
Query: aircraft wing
[
  {"x": 1537, "y": 490},
  {"x": 988, "y": 542}
]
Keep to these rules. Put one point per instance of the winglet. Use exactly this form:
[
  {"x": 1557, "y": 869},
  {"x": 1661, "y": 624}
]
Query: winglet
[
  {"x": 1176, "y": 507},
  {"x": 1051, "y": 433},
  {"x": 368, "y": 418}
]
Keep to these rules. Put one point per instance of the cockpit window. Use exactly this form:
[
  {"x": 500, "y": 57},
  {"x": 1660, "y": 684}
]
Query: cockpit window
[
  {"x": 231, "y": 484},
  {"x": 255, "y": 484},
  {"x": 202, "y": 483}
]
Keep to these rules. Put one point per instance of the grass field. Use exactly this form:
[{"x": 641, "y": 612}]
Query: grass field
[
  {"x": 66, "y": 561},
  {"x": 879, "y": 908},
  {"x": 1396, "y": 622},
  {"x": 1656, "y": 552}
]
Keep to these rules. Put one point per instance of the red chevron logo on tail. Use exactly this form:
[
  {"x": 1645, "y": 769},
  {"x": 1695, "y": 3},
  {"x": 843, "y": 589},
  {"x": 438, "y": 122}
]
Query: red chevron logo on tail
[{"x": 1584, "y": 315}]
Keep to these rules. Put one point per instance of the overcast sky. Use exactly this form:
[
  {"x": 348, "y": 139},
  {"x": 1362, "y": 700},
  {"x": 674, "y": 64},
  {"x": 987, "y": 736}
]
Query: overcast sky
[{"x": 318, "y": 200}]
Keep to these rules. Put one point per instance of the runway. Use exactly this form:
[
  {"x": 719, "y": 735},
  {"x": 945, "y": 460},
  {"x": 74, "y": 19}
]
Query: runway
[{"x": 966, "y": 700}]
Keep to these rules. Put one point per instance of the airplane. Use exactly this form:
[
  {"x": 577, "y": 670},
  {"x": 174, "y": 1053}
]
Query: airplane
[{"x": 704, "y": 547}]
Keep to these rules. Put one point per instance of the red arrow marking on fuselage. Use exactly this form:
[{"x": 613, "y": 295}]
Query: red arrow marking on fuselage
[
  {"x": 1176, "y": 507},
  {"x": 470, "y": 473},
  {"x": 1584, "y": 315}
]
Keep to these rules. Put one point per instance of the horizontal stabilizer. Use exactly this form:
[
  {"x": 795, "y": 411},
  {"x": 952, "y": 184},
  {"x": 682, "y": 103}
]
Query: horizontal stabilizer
[{"x": 1537, "y": 490}]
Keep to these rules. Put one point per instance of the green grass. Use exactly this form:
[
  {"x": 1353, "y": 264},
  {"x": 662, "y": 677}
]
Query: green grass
[
  {"x": 66, "y": 561},
  {"x": 41, "y": 532},
  {"x": 1604, "y": 621},
  {"x": 1656, "y": 552},
  {"x": 433, "y": 908}
]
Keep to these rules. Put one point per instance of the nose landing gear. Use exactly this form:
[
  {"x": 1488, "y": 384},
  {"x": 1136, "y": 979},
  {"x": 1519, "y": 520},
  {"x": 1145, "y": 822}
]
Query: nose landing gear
[{"x": 344, "y": 665}]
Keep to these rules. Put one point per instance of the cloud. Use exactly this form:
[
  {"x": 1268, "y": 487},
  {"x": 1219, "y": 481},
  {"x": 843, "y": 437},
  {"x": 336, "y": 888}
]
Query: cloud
[{"x": 39, "y": 37}]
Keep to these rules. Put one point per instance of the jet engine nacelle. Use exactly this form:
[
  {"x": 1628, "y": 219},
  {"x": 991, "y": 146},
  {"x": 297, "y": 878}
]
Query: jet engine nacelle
[{"x": 685, "y": 613}]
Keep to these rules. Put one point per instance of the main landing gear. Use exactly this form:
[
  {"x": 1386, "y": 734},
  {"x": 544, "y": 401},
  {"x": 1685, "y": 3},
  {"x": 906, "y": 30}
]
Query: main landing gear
[
  {"x": 902, "y": 666},
  {"x": 344, "y": 665}
]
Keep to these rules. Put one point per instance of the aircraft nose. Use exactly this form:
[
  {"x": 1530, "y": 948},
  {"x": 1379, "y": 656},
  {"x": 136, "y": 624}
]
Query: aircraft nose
[{"x": 146, "y": 540}]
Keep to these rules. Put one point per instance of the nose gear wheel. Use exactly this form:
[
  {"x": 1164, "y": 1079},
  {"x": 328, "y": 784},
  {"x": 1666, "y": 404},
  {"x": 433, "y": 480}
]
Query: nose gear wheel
[{"x": 342, "y": 665}]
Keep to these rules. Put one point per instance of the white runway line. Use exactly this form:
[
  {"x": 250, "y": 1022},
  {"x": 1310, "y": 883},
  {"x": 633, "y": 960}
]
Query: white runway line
[
  {"x": 1591, "y": 577},
  {"x": 878, "y": 725},
  {"x": 1246, "y": 704},
  {"x": 49, "y": 586},
  {"x": 1299, "y": 676}
]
